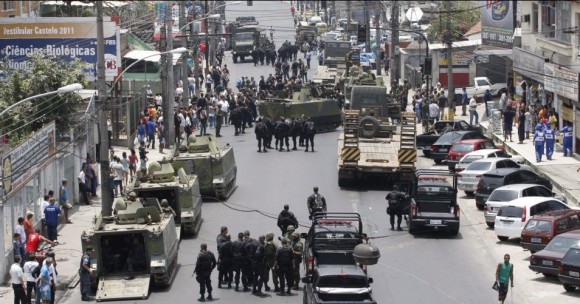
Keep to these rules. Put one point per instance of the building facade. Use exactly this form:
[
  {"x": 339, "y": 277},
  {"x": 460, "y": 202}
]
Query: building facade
[
  {"x": 11, "y": 9},
  {"x": 547, "y": 65}
]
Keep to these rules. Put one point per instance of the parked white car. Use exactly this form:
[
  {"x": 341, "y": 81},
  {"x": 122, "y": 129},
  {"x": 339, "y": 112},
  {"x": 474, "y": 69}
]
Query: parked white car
[
  {"x": 482, "y": 154},
  {"x": 513, "y": 217},
  {"x": 505, "y": 194},
  {"x": 467, "y": 179}
]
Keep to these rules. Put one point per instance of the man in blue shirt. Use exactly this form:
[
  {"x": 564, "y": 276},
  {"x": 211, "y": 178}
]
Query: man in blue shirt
[
  {"x": 51, "y": 213},
  {"x": 151, "y": 132},
  {"x": 464, "y": 102}
]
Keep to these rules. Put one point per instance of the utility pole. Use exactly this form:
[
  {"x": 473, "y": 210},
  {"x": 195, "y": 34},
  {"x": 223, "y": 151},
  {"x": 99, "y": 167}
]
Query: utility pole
[
  {"x": 184, "y": 67},
  {"x": 168, "y": 102},
  {"x": 106, "y": 198},
  {"x": 195, "y": 61},
  {"x": 347, "y": 20},
  {"x": 164, "y": 89},
  {"x": 367, "y": 29},
  {"x": 395, "y": 43},
  {"x": 378, "y": 35},
  {"x": 449, "y": 59},
  {"x": 206, "y": 6}
]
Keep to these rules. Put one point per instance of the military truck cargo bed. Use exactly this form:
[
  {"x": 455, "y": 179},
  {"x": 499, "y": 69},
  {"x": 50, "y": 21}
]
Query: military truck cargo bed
[{"x": 376, "y": 154}]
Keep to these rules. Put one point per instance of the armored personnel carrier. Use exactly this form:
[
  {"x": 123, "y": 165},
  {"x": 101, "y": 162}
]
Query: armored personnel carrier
[
  {"x": 311, "y": 101},
  {"x": 215, "y": 167},
  {"x": 180, "y": 190},
  {"x": 136, "y": 246}
]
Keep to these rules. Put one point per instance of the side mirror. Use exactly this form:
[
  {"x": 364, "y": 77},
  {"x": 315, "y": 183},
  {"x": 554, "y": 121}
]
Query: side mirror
[{"x": 370, "y": 280}]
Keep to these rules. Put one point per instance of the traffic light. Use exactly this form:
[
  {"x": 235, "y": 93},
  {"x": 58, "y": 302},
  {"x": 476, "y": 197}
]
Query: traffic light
[
  {"x": 428, "y": 63},
  {"x": 250, "y": 3},
  {"x": 362, "y": 34}
]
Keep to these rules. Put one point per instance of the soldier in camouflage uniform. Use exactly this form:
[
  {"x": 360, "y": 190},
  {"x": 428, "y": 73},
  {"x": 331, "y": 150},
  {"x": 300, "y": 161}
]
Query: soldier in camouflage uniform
[
  {"x": 297, "y": 248},
  {"x": 270, "y": 258}
]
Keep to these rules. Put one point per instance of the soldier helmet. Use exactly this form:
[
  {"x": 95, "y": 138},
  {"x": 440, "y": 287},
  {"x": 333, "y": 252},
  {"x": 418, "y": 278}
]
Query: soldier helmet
[
  {"x": 296, "y": 234},
  {"x": 395, "y": 187},
  {"x": 132, "y": 194},
  {"x": 291, "y": 228},
  {"x": 164, "y": 203},
  {"x": 269, "y": 236}
]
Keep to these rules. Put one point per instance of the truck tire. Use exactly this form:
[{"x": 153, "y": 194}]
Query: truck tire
[{"x": 374, "y": 126}]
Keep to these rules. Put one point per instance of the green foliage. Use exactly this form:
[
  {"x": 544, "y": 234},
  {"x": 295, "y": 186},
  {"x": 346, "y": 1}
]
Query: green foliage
[
  {"x": 46, "y": 74},
  {"x": 465, "y": 14}
]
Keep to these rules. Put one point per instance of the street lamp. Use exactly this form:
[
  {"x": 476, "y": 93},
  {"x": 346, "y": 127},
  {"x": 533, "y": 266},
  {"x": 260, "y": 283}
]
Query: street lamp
[{"x": 66, "y": 89}]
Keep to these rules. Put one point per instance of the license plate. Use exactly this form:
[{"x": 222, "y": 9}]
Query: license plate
[
  {"x": 536, "y": 240},
  {"x": 574, "y": 274},
  {"x": 547, "y": 263},
  {"x": 435, "y": 222},
  {"x": 443, "y": 150}
]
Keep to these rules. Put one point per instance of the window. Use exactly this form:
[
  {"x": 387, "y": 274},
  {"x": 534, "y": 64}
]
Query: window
[
  {"x": 479, "y": 166},
  {"x": 544, "y": 192},
  {"x": 8, "y": 5},
  {"x": 527, "y": 176},
  {"x": 503, "y": 196},
  {"x": 530, "y": 192},
  {"x": 572, "y": 257},
  {"x": 539, "y": 226},
  {"x": 562, "y": 244},
  {"x": 510, "y": 164},
  {"x": 574, "y": 221},
  {"x": 502, "y": 154},
  {"x": 561, "y": 225},
  {"x": 489, "y": 145},
  {"x": 463, "y": 125},
  {"x": 510, "y": 211},
  {"x": 549, "y": 19},
  {"x": 482, "y": 82},
  {"x": 534, "y": 18},
  {"x": 462, "y": 148}
]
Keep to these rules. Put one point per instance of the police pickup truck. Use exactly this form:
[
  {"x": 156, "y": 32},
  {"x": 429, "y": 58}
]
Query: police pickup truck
[
  {"x": 335, "y": 258},
  {"x": 434, "y": 202},
  {"x": 331, "y": 239}
]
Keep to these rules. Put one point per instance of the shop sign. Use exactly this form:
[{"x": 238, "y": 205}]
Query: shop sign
[
  {"x": 567, "y": 114},
  {"x": 561, "y": 81},
  {"x": 457, "y": 58},
  {"x": 528, "y": 64}
]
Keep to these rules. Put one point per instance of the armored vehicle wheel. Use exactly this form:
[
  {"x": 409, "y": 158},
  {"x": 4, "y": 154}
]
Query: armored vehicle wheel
[
  {"x": 343, "y": 182},
  {"x": 235, "y": 59}
]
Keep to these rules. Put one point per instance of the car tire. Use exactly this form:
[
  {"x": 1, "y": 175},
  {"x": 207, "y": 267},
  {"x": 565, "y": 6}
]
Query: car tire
[
  {"x": 412, "y": 229},
  {"x": 569, "y": 288},
  {"x": 454, "y": 231},
  {"x": 438, "y": 161},
  {"x": 479, "y": 207},
  {"x": 503, "y": 238},
  {"x": 469, "y": 193},
  {"x": 490, "y": 225},
  {"x": 426, "y": 153}
]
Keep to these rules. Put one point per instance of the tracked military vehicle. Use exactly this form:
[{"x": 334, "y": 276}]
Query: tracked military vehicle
[
  {"x": 311, "y": 101},
  {"x": 215, "y": 167},
  {"x": 179, "y": 189},
  {"x": 136, "y": 246}
]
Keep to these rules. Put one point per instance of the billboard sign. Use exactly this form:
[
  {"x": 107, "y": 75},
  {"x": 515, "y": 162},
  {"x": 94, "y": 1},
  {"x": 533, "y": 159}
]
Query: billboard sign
[
  {"x": 497, "y": 23},
  {"x": 67, "y": 38},
  {"x": 24, "y": 161}
]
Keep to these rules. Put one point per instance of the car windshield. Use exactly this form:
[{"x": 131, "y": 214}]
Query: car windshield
[
  {"x": 244, "y": 36},
  {"x": 539, "y": 226},
  {"x": 503, "y": 195},
  {"x": 462, "y": 148},
  {"x": 562, "y": 244},
  {"x": 449, "y": 137},
  {"x": 343, "y": 281},
  {"x": 510, "y": 211},
  {"x": 479, "y": 166},
  {"x": 471, "y": 158},
  {"x": 572, "y": 257}
]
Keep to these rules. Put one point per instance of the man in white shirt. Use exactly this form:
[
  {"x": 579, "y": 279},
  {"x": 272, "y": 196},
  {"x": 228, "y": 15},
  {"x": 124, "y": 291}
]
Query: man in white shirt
[
  {"x": 83, "y": 184},
  {"x": 43, "y": 206},
  {"x": 20, "y": 230},
  {"x": 119, "y": 172},
  {"x": 433, "y": 112},
  {"x": 225, "y": 108},
  {"x": 17, "y": 280},
  {"x": 28, "y": 268}
]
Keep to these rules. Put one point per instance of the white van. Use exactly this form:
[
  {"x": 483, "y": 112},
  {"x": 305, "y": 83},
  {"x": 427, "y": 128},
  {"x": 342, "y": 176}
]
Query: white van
[{"x": 513, "y": 217}]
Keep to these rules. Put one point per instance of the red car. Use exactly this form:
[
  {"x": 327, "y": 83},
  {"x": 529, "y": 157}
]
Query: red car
[{"x": 459, "y": 149}]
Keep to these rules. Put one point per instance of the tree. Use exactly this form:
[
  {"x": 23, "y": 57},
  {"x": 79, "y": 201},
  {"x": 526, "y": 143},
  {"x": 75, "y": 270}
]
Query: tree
[
  {"x": 46, "y": 74},
  {"x": 465, "y": 14}
]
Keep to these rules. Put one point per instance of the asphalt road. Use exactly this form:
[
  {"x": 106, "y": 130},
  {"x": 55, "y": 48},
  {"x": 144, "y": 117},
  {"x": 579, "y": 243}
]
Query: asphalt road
[{"x": 429, "y": 268}]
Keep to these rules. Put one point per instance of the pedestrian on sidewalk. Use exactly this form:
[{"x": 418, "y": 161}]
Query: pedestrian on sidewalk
[
  {"x": 143, "y": 156},
  {"x": 539, "y": 139},
  {"x": 161, "y": 137},
  {"x": 508, "y": 121},
  {"x": 28, "y": 269},
  {"x": 52, "y": 213},
  {"x": 44, "y": 282},
  {"x": 20, "y": 230},
  {"x": 504, "y": 274},
  {"x": 85, "y": 274},
  {"x": 464, "y": 102},
  {"x": 550, "y": 136},
  {"x": 17, "y": 280},
  {"x": 28, "y": 226},
  {"x": 567, "y": 139},
  {"x": 125, "y": 163},
  {"x": 63, "y": 200},
  {"x": 486, "y": 99},
  {"x": 521, "y": 127},
  {"x": 17, "y": 245},
  {"x": 204, "y": 265},
  {"x": 83, "y": 187},
  {"x": 151, "y": 126},
  {"x": 473, "y": 111},
  {"x": 133, "y": 163}
]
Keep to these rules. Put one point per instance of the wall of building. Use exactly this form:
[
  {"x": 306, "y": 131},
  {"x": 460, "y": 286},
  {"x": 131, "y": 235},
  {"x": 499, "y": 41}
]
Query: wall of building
[{"x": 11, "y": 9}]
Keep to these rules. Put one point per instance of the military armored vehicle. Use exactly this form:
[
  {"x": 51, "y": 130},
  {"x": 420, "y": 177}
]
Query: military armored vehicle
[
  {"x": 215, "y": 167},
  {"x": 181, "y": 191},
  {"x": 136, "y": 246},
  {"x": 311, "y": 101}
]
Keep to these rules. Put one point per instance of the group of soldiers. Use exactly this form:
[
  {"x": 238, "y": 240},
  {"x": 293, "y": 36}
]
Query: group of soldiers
[
  {"x": 302, "y": 130},
  {"x": 247, "y": 263},
  {"x": 265, "y": 53},
  {"x": 400, "y": 93},
  {"x": 299, "y": 70}
]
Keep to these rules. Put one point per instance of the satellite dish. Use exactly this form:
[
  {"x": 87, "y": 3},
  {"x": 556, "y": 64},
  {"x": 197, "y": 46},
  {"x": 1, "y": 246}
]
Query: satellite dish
[{"x": 414, "y": 14}]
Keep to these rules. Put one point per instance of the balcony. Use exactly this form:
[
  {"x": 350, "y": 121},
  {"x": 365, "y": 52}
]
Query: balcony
[{"x": 551, "y": 44}]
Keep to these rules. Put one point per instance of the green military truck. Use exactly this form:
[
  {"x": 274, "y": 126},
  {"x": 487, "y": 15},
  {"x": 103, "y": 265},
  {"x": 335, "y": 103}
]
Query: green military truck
[
  {"x": 136, "y": 247},
  {"x": 244, "y": 40},
  {"x": 179, "y": 189}
]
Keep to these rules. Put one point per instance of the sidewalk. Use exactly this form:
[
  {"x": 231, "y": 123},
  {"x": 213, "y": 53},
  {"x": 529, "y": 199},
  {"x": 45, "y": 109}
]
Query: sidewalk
[
  {"x": 68, "y": 253},
  {"x": 561, "y": 171}
]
